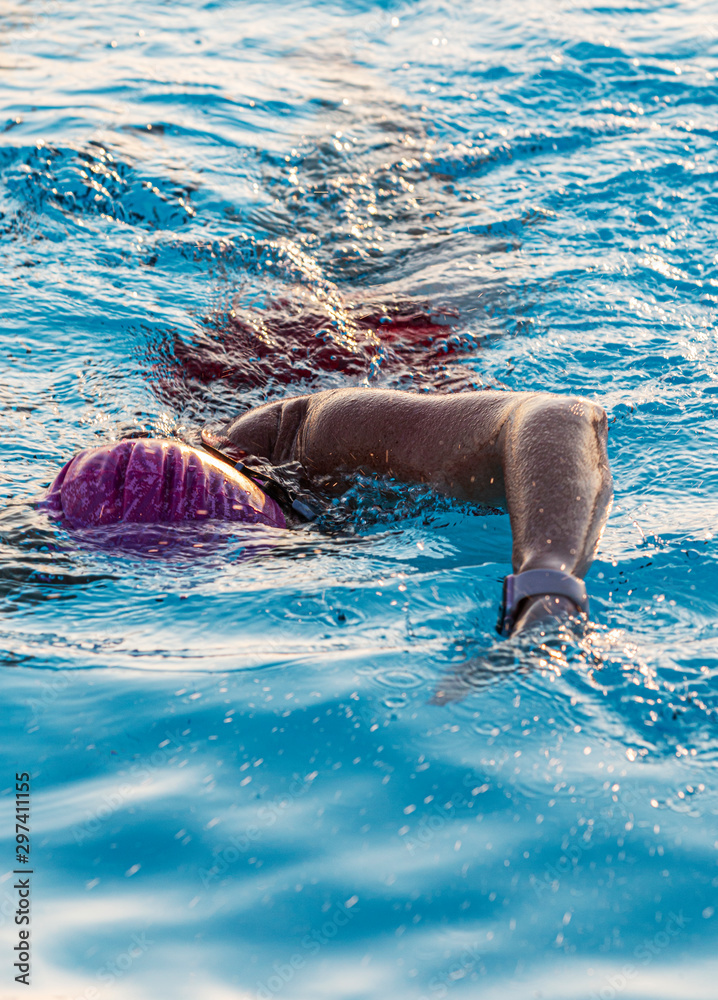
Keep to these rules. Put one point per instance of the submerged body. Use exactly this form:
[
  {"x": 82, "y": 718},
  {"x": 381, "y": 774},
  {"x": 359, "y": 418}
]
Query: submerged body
[{"x": 542, "y": 457}]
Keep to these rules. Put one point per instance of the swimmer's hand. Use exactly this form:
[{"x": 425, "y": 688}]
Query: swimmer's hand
[
  {"x": 544, "y": 622},
  {"x": 476, "y": 673}
]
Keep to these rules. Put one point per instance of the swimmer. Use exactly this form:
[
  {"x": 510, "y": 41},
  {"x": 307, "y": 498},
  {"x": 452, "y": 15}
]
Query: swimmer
[{"x": 542, "y": 457}]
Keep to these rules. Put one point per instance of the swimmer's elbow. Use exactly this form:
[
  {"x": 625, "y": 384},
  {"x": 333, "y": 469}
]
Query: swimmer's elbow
[
  {"x": 556, "y": 411},
  {"x": 547, "y": 427},
  {"x": 597, "y": 416}
]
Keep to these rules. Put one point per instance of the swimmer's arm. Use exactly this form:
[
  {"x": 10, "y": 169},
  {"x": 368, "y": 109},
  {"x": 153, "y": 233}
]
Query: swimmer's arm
[
  {"x": 542, "y": 456},
  {"x": 558, "y": 488},
  {"x": 268, "y": 432}
]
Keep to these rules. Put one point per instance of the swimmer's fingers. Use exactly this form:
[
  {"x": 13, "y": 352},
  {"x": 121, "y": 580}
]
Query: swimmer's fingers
[
  {"x": 475, "y": 674},
  {"x": 546, "y": 622}
]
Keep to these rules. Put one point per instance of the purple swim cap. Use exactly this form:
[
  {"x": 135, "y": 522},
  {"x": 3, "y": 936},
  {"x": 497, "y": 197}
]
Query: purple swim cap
[{"x": 145, "y": 481}]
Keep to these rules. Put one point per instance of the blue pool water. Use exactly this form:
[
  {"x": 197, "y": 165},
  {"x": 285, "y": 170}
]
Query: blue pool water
[{"x": 241, "y": 787}]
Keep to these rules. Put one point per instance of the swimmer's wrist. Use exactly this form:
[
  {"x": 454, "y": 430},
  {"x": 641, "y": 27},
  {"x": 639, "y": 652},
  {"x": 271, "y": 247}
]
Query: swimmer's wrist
[
  {"x": 544, "y": 609},
  {"x": 540, "y": 594}
]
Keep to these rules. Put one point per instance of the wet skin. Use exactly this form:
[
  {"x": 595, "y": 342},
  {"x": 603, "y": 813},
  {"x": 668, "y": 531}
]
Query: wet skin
[{"x": 542, "y": 457}]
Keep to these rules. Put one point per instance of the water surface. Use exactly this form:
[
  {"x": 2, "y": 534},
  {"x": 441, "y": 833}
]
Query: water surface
[{"x": 241, "y": 786}]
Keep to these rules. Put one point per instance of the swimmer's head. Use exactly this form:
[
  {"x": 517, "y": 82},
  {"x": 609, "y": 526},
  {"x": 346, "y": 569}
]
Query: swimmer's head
[{"x": 149, "y": 481}]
